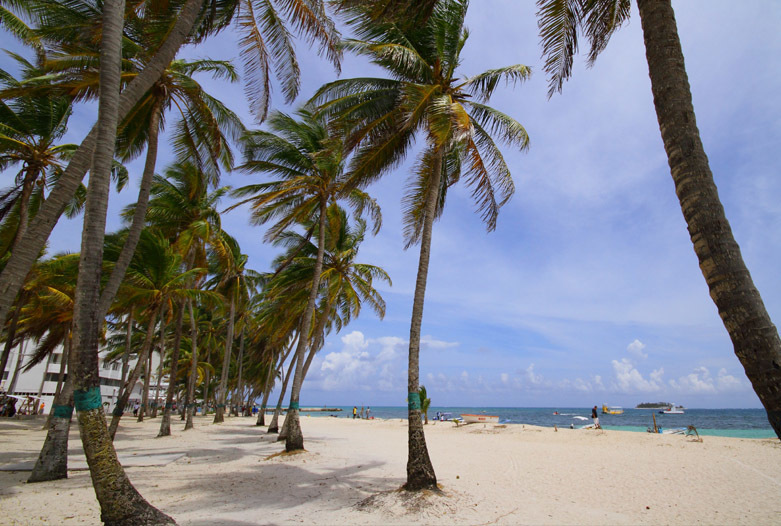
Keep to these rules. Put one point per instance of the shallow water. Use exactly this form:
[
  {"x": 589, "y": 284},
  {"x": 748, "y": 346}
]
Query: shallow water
[{"x": 742, "y": 423}]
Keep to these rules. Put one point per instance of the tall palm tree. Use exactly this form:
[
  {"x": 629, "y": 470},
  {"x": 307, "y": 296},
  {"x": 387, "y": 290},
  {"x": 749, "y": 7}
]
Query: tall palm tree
[
  {"x": 308, "y": 158},
  {"x": 307, "y": 16},
  {"x": 425, "y": 95},
  {"x": 754, "y": 337},
  {"x": 155, "y": 280},
  {"x": 30, "y": 128},
  {"x": 236, "y": 282},
  {"x": 183, "y": 209}
]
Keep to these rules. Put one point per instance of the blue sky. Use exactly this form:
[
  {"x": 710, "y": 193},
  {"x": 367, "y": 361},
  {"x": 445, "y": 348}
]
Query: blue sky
[{"x": 588, "y": 292}]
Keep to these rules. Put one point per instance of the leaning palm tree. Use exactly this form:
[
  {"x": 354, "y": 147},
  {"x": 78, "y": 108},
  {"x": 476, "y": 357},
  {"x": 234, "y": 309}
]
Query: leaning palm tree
[
  {"x": 30, "y": 128},
  {"x": 425, "y": 95},
  {"x": 307, "y": 157},
  {"x": 754, "y": 337},
  {"x": 237, "y": 283},
  {"x": 155, "y": 280}
]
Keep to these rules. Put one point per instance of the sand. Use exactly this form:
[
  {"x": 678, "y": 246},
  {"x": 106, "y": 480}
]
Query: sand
[{"x": 352, "y": 470}]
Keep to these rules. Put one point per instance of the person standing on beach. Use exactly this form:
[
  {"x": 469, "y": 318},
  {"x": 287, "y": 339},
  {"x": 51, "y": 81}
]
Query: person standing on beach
[
  {"x": 595, "y": 417},
  {"x": 355, "y": 411}
]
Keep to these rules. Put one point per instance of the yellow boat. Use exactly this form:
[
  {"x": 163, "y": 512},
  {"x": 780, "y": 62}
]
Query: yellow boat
[{"x": 614, "y": 410}]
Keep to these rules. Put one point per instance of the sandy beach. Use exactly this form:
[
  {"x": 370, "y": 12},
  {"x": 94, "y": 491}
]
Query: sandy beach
[{"x": 229, "y": 474}]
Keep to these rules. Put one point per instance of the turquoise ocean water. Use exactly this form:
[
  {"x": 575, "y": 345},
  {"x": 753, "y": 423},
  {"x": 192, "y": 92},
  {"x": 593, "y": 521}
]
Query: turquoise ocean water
[{"x": 742, "y": 423}]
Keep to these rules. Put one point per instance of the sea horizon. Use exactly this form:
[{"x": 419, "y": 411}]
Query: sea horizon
[{"x": 729, "y": 422}]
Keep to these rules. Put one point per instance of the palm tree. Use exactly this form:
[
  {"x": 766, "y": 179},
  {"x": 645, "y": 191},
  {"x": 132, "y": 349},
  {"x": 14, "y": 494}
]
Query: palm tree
[
  {"x": 424, "y": 93},
  {"x": 183, "y": 209},
  {"x": 425, "y": 402},
  {"x": 237, "y": 283},
  {"x": 31, "y": 126},
  {"x": 754, "y": 337},
  {"x": 306, "y": 16},
  {"x": 155, "y": 280},
  {"x": 308, "y": 159}
]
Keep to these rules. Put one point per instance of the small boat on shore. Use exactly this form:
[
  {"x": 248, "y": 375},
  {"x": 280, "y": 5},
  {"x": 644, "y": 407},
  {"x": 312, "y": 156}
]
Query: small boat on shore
[{"x": 477, "y": 419}]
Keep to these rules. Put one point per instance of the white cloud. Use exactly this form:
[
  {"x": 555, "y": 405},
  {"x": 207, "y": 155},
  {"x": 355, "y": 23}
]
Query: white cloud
[
  {"x": 636, "y": 348},
  {"x": 427, "y": 342},
  {"x": 701, "y": 381},
  {"x": 534, "y": 379},
  {"x": 629, "y": 379}
]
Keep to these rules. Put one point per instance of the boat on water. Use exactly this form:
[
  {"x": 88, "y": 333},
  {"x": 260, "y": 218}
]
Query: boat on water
[
  {"x": 612, "y": 410},
  {"x": 672, "y": 410},
  {"x": 477, "y": 419}
]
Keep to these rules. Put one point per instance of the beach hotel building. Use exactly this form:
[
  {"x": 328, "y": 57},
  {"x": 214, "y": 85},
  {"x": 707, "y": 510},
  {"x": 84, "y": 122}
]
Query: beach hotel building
[{"x": 40, "y": 382}]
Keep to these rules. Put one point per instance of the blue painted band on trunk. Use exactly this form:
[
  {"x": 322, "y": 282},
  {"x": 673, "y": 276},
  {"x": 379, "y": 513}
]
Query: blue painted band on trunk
[
  {"x": 63, "y": 411},
  {"x": 413, "y": 401},
  {"x": 87, "y": 400},
  {"x": 293, "y": 405}
]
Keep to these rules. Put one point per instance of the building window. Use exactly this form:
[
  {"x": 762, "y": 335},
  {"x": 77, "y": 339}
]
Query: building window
[{"x": 55, "y": 377}]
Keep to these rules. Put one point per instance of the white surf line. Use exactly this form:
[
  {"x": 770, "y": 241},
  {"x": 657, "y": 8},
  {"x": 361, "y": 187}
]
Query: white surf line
[{"x": 778, "y": 483}]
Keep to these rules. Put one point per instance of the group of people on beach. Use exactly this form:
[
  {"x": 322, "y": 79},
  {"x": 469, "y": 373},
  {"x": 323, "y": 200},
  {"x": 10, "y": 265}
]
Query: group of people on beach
[{"x": 361, "y": 415}]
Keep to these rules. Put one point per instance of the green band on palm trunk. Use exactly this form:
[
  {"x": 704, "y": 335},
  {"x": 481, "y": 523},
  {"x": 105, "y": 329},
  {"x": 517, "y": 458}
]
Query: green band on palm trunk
[
  {"x": 63, "y": 411},
  {"x": 413, "y": 401},
  {"x": 293, "y": 405},
  {"x": 87, "y": 400}
]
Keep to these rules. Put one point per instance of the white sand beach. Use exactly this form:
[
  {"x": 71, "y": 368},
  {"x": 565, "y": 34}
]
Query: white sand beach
[{"x": 352, "y": 470}]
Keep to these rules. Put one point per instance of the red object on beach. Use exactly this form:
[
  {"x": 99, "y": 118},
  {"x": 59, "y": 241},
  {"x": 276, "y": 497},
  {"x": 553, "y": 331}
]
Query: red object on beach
[{"x": 485, "y": 419}]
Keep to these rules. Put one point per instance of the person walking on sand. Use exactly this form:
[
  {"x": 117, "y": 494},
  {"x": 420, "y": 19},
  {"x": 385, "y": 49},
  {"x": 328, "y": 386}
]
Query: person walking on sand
[
  {"x": 355, "y": 412},
  {"x": 595, "y": 417}
]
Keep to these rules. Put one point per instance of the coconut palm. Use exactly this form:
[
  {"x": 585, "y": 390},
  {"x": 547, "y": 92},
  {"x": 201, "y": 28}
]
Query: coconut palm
[
  {"x": 30, "y": 128},
  {"x": 237, "y": 283},
  {"x": 259, "y": 52},
  {"x": 754, "y": 337},
  {"x": 307, "y": 158},
  {"x": 155, "y": 280},
  {"x": 425, "y": 95}
]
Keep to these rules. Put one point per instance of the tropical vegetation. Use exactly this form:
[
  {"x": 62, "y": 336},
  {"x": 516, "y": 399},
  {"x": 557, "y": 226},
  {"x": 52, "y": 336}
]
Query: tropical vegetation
[{"x": 172, "y": 297}]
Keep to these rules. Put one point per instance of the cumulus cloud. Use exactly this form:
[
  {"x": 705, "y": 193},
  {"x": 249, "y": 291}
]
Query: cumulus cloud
[
  {"x": 363, "y": 363},
  {"x": 427, "y": 342},
  {"x": 701, "y": 381},
  {"x": 629, "y": 379},
  {"x": 534, "y": 379},
  {"x": 636, "y": 348}
]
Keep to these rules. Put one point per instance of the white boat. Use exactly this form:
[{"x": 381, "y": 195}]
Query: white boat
[
  {"x": 477, "y": 419},
  {"x": 672, "y": 410}
]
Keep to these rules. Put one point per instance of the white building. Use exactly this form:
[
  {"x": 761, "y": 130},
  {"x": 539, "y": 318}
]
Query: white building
[{"x": 40, "y": 382}]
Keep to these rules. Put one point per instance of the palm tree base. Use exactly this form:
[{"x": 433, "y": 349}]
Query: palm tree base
[
  {"x": 294, "y": 438},
  {"x": 420, "y": 471},
  {"x": 120, "y": 502},
  {"x": 52, "y": 463},
  {"x": 219, "y": 416}
]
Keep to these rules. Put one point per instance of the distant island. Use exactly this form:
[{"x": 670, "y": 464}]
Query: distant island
[{"x": 653, "y": 405}]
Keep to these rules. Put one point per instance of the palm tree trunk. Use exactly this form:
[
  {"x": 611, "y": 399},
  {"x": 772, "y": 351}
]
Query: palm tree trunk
[
  {"x": 52, "y": 463},
  {"x": 273, "y": 427},
  {"x": 219, "y": 414},
  {"x": 145, "y": 391},
  {"x": 420, "y": 471},
  {"x": 261, "y": 421},
  {"x": 239, "y": 398},
  {"x": 153, "y": 410},
  {"x": 268, "y": 386},
  {"x": 295, "y": 438},
  {"x": 193, "y": 367},
  {"x": 9, "y": 340},
  {"x": 128, "y": 345},
  {"x": 120, "y": 503},
  {"x": 127, "y": 388},
  {"x": 139, "y": 214},
  {"x": 165, "y": 425},
  {"x": 754, "y": 337},
  {"x": 30, "y": 175},
  {"x": 22, "y": 259},
  {"x": 18, "y": 367}
]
